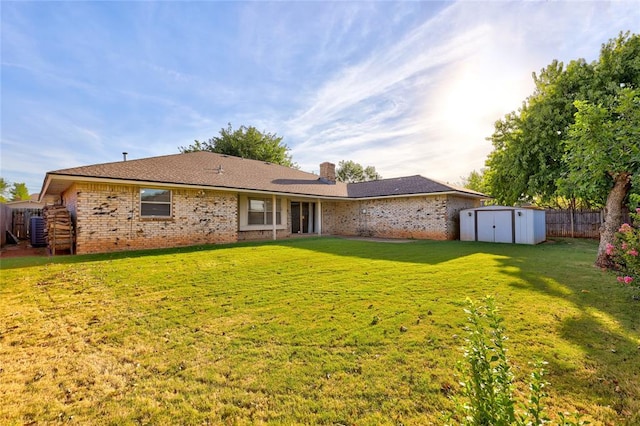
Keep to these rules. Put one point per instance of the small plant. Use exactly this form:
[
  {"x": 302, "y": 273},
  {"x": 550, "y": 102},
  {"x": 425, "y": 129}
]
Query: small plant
[
  {"x": 487, "y": 381},
  {"x": 487, "y": 378},
  {"x": 625, "y": 252},
  {"x": 534, "y": 409}
]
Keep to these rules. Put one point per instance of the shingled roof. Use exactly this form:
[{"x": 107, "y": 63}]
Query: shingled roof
[
  {"x": 217, "y": 171},
  {"x": 409, "y": 185}
]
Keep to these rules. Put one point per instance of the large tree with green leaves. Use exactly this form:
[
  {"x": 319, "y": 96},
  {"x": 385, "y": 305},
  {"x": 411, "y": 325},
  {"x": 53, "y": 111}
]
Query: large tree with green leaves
[
  {"x": 19, "y": 191},
  {"x": 350, "y": 172},
  {"x": 475, "y": 181},
  {"x": 575, "y": 137},
  {"x": 246, "y": 142},
  {"x": 527, "y": 160},
  {"x": 603, "y": 154}
]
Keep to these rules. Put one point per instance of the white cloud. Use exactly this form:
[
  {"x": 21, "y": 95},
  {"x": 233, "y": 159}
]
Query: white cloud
[
  {"x": 409, "y": 87},
  {"x": 426, "y": 103}
]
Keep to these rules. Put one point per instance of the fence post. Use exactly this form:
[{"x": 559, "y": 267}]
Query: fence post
[{"x": 6, "y": 222}]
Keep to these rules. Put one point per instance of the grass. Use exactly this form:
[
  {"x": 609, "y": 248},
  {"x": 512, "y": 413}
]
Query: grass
[{"x": 305, "y": 331}]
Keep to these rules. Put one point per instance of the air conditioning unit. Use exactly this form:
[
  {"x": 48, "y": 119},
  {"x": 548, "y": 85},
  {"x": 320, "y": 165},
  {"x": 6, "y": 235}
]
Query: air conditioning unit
[{"x": 37, "y": 232}]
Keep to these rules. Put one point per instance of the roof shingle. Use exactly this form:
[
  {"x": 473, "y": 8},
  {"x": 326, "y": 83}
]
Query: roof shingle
[{"x": 207, "y": 169}]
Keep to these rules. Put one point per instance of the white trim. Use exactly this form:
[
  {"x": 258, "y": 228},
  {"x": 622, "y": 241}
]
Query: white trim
[
  {"x": 273, "y": 216},
  {"x": 319, "y": 207},
  {"x": 243, "y": 215},
  {"x": 421, "y": 194},
  {"x": 151, "y": 216},
  {"x": 45, "y": 186},
  {"x": 116, "y": 181}
]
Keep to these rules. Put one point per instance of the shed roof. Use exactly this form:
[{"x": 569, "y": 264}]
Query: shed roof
[{"x": 205, "y": 169}]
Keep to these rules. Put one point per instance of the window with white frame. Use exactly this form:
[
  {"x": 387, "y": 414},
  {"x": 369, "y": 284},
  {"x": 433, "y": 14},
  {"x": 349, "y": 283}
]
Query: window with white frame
[
  {"x": 261, "y": 211},
  {"x": 155, "y": 203}
]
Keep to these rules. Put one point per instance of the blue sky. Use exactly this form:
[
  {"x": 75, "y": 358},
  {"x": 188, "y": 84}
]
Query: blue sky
[{"x": 408, "y": 87}]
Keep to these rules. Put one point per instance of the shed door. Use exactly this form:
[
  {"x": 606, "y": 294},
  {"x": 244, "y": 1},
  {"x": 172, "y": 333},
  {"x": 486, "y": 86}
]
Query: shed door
[{"x": 495, "y": 226}]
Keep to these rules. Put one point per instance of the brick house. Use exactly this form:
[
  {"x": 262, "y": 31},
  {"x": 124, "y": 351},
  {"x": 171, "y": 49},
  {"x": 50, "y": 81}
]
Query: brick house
[{"x": 203, "y": 198}]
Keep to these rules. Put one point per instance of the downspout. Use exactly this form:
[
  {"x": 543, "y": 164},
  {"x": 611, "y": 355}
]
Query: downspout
[
  {"x": 132, "y": 213},
  {"x": 273, "y": 215}
]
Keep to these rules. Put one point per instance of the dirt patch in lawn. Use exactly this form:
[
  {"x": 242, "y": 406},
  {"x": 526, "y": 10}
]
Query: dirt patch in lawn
[{"x": 23, "y": 248}]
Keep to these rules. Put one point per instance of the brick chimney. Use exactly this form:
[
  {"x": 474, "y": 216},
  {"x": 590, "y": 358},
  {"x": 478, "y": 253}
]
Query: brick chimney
[{"x": 328, "y": 172}]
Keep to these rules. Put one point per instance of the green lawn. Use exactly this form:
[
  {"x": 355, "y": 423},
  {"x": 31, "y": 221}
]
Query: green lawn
[{"x": 305, "y": 331}]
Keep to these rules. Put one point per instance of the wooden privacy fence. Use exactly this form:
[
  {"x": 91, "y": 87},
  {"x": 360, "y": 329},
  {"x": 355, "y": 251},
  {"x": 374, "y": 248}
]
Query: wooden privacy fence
[
  {"x": 21, "y": 221},
  {"x": 16, "y": 221},
  {"x": 576, "y": 223},
  {"x": 5, "y": 223}
]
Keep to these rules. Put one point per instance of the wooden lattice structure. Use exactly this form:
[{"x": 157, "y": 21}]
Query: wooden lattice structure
[{"x": 58, "y": 228}]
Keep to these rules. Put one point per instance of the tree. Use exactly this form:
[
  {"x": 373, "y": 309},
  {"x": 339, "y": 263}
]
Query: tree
[
  {"x": 351, "y": 172},
  {"x": 14, "y": 192},
  {"x": 4, "y": 186},
  {"x": 527, "y": 159},
  {"x": 370, "y": 173},
  {"x": 575, "y": 137},
  {"x": 475, "y": 181},
  {"x": 603, "y": 153},
  {"x": 19, "y": 192},
  {"x": 246, "y": 142}
]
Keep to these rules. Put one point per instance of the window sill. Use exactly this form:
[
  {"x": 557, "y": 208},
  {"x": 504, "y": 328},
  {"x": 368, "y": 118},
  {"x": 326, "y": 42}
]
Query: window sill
[
  {"x": 156, "y": 219},
  {"x": 260, "y": 227}
]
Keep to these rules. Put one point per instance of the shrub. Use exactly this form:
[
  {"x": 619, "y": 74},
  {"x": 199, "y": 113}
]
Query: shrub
[
  {"x": 625, "y": 252},
  {"x": 487, "y": 378},
  {"x": 487, "y": 382}
]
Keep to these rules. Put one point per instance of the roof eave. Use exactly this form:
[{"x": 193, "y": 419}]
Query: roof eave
[
  {"x": 422, "y": 194},
  {"x": 75, "y": 178},
  {"x": 45, "y": 187},
  {"x": 50, "y": 177}
]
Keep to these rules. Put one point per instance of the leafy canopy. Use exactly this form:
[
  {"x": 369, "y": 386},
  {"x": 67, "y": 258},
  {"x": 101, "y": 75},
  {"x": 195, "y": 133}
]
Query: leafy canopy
[
  {"x": 16, "y": 191},
  {"x": 577, "y": 137},
  {"x": 246, "y": 142},
  {"x": 552, "y": 147},
  {"x": 351, "y": 172},
  {"x": 19, "y": 191},
  {"x": 4, "y": 187},
  {"x": 603, "y": 144},
  {"x": 475, "y": 181}
]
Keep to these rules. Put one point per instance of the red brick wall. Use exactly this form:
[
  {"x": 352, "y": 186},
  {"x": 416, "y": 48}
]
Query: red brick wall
[
  {"x": 425, "y": 217},
  {"x": 108, "y": 218}
]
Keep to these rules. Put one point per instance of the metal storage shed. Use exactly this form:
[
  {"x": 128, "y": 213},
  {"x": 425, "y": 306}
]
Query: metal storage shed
[{"x": 502, "y": 224}]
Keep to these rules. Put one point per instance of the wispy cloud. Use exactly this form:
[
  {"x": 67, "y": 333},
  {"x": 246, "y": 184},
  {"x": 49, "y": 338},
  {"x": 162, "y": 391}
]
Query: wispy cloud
[
  {"x": 409, "y": 87},
  {"x": 379, "y": 104},
  {"x": 426, "y": 103}
]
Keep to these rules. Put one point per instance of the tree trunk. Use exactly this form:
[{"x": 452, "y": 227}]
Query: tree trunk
[{"x": 613, "y": 217}]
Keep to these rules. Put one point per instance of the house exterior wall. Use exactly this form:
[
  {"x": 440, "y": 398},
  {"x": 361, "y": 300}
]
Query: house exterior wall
[
  {"x": 456, "y": 204},
  {"x": 423, "y": 217},
  {"x": 107, "y": 218},
  {"x": 263, "y": 235},
  {"x": 70, "y": 201}
]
